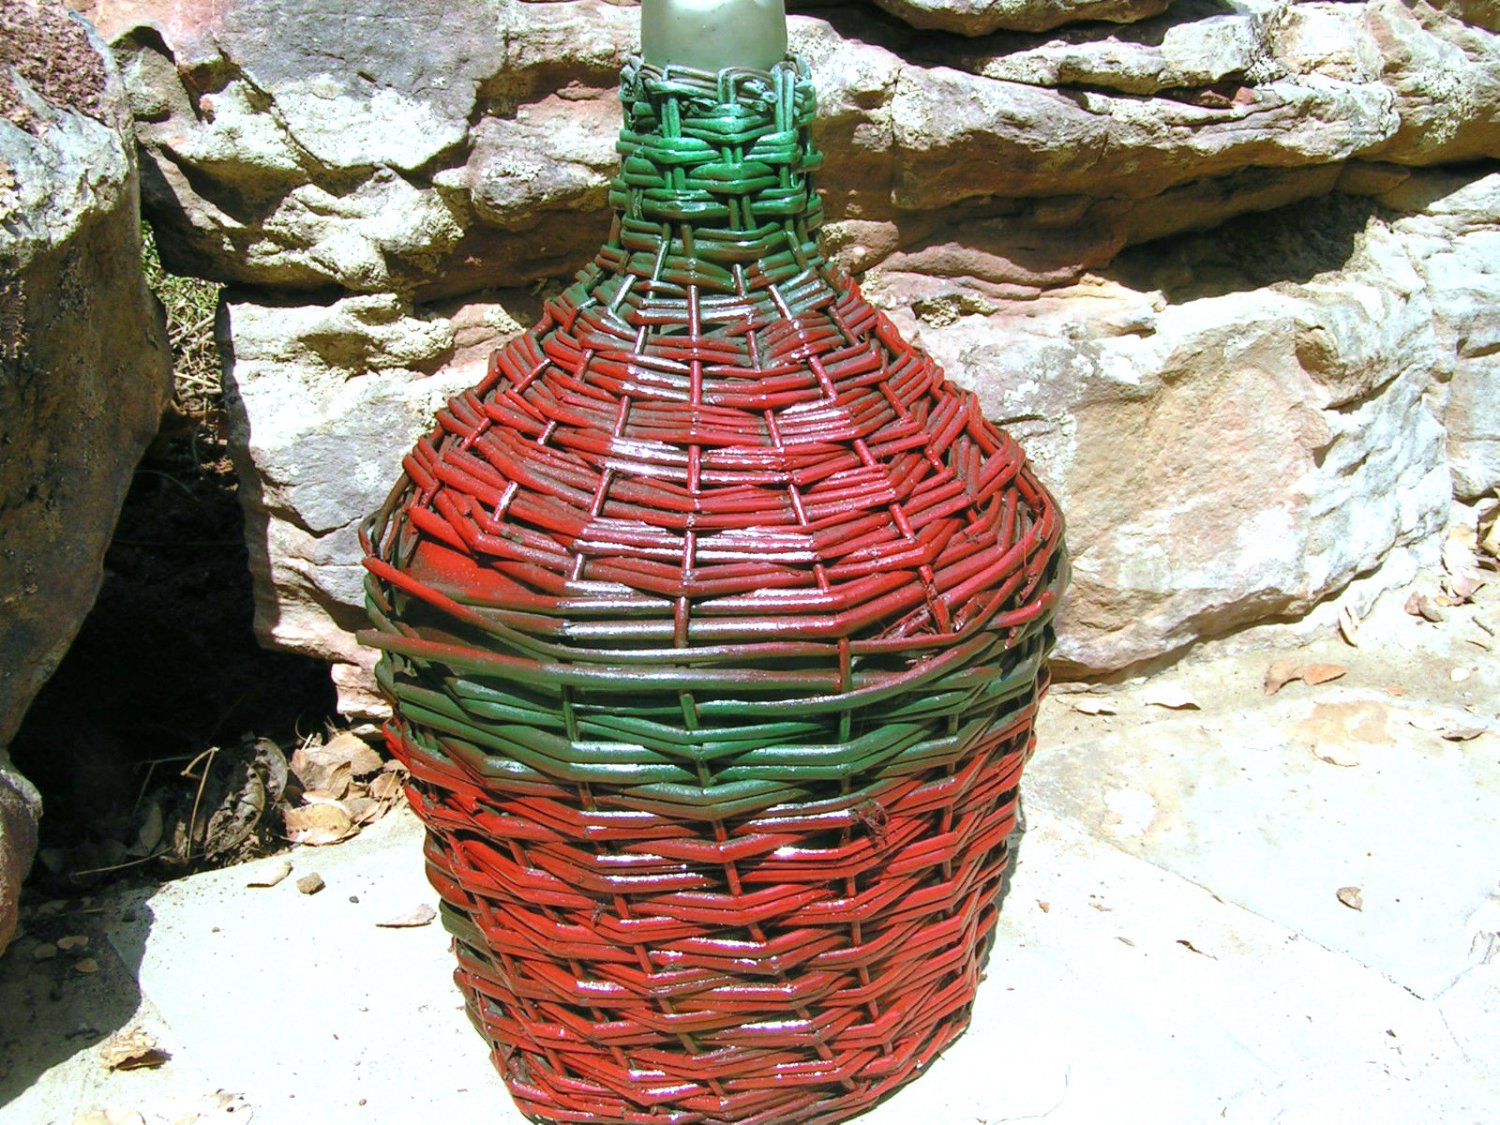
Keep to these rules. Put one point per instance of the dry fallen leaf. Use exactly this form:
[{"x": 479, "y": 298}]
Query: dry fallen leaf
[
  {"x": 1342, "y": 754},
  {"x": 319, "y": 825},
  {"x": 73, "y": 943},
  {"x": 1463, "y": 587},
  {"x": 311, "y": 884},
  {"x": 1352, "y": 897},
  {"x": 268, "y": 875},
  {"x": 132, "y": 1050},
  {"x": 1044, "y": 906},
  {"x": 87, "y": 966},
  {"x": 1462, "y": 734},
  {"x": 1420, "y": 605},
  {"x": 1279, "y": 674},
  {"x": 327, "y": 768},
  {"x": 421, "y": 916},
  {"x": 1174, "y": 697},
  {"x": 1430, "y": 723},
  {"x": 362, "y": 760},
  {"x": 151, "y": 831},
  {"x": 1092, "y": 705},
  {"x": 1349, "y": 626},
  {"x": 1315, "y": 674},
  {"x": 334, "y": 784},
  {"x": 387, "y": 787},
  {"x": 365, "y": 810}
]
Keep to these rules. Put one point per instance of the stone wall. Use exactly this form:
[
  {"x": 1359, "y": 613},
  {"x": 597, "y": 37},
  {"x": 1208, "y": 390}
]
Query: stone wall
[
  {"x": 84, "y": 365},
  {"x": 1227, "y": 266}
]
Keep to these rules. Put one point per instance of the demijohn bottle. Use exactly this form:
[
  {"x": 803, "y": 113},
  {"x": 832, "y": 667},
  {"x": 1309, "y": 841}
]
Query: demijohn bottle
[{"x": 715, "y": 623}]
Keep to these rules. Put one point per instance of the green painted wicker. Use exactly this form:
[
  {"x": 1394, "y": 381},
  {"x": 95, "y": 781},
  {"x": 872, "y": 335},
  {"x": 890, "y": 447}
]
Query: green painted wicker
[{"x": 715, "y": 624}]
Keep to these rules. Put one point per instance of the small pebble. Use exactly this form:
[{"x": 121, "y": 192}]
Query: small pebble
[
  {"x": 311, "y": 884},
  {"x": 73, "y": 943}
]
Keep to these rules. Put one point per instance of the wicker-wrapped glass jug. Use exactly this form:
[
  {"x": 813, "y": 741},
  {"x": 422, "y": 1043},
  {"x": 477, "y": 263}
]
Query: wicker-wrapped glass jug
[{"x": 715, "y": 625}]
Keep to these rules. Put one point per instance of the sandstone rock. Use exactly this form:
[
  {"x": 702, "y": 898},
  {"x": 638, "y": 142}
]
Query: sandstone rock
[
  {"x": 1196, "y": 43},
  {"x": 290, "y": 145},
  {"x": 1453, "y": 224},
  {"x": 324, "y": 402},
  {"x": 84, "y": 366},
  {"x": 1446, "y": 75},
  {"x": 1480, "y": 13},
  {"x": 980, "y": 17},
  {"x": 250, "y": 179}
]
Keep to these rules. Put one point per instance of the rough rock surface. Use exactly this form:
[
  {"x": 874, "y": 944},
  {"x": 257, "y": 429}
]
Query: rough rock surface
[
  {"x": 999, "y": 190},
  {"x": 84, "y": 366},
  {"x": 980, "y": 17},
  {"x": 319, "y": 450},
  {"x": 460, "y": 155},
  {"x": 1454, "y": 232}
]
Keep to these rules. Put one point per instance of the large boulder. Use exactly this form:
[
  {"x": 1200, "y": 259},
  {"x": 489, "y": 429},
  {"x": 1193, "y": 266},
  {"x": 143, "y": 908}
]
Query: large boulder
[
  {"x": 374, "y": 197},
  {"x": 1453, "y": 226},
  {"x": 84, "y": 365}
]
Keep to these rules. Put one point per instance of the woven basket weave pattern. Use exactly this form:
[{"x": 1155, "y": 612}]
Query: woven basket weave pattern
[{"x": 715, "y": 623}]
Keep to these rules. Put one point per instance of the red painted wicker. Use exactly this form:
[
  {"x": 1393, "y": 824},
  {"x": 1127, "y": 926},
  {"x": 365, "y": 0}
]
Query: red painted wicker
[{"x": 715, "y": 624}]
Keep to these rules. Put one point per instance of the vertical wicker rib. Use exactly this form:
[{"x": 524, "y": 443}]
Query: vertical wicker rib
[{"x": 715, "y": 623}]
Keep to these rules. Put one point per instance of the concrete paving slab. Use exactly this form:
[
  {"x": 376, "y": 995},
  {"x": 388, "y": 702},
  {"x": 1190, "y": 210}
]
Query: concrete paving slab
[{"x": 56, "y": 1017}]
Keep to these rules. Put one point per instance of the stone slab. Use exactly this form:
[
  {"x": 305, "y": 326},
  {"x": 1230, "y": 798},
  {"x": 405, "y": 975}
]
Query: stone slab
[{"x": 1239, "y": 794}]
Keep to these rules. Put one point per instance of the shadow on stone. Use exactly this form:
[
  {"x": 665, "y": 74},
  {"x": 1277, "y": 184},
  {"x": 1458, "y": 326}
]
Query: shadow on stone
[
  {"x": 1289, "y": 244},
  {"x": 60, "y": 1009}
]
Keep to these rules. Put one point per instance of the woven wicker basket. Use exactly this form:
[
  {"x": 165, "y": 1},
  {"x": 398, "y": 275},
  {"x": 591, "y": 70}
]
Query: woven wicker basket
[{"x": 715, "y": 625}]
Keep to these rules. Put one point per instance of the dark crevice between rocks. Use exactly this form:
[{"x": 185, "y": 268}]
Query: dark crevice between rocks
[
  {"x": 1294, "y": 243},
  {"x": 873, "y": 26},
  {"x": 1291, "y": 244},
  {"x": 165, "y": 666}
]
